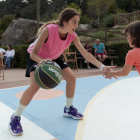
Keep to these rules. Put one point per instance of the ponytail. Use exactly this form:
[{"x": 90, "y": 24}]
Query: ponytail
[{"x": 50, "y": 22}]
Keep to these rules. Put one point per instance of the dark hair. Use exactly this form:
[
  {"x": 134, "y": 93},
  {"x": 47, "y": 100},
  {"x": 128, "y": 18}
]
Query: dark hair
[
  {"x": 65, "y": 15},
  {"x": 134, "y": 30},
  {"x": 11, "y": 48}
]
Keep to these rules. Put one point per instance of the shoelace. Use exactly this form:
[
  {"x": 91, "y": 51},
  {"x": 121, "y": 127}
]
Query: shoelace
[
  {"x": 74, "y": 108},
  {"x": 76, "y": 112},
  {"x": 15, "y": 121}
]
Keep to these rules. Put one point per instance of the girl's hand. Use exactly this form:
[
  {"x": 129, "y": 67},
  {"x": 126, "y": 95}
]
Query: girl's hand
[
  {"x": 108, "y": 75},
  {"x": 107, "y": 68},
  {"x": 107, "y": 71},
  {"x": 44, "y": 60}
]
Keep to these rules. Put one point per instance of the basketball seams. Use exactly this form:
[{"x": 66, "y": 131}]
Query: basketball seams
[
  {"x": 41, "y": 81},
  {"x": 49, "y": 75}
]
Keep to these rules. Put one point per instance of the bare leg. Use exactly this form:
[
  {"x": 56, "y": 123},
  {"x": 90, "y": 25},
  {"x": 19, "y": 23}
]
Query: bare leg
[
  {"x": 71, "y": 82},
  {"x": 99, "y": 58},
  {"x": 30, "y": 92},
  {"x": 87, "y": 63},
  {"x": 103, "y": 58}
]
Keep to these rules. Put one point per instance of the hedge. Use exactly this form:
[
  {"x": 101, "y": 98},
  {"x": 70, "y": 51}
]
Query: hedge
[{"x": 121, "y": 49}]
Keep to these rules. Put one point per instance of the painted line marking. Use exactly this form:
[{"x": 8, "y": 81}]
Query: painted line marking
[{"x": 31, "y": 130}]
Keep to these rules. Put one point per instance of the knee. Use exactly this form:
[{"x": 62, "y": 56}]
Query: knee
[
  {"x": 72, "y": 80},
  {"x": 34, "y": 88}
]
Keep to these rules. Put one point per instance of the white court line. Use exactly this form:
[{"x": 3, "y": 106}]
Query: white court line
[
  {"x": 114, "y": 115},
  {"x": 31, "y": 130}
]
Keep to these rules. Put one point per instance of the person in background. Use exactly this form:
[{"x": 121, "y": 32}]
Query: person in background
[
  {"x": 2, "y": 51},
  {"x": 9, "y": 55},
  {"x": 89, "y": 50},
  {"x": 100, "y": 51}
]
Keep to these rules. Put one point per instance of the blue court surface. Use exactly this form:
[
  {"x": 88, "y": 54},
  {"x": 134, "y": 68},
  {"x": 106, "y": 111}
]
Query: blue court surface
[{"x": 111, "y": 111}]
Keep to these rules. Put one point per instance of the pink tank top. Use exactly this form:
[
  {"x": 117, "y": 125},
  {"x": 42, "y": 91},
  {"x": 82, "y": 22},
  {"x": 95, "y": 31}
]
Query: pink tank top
[{"x": 54, "y": 46}]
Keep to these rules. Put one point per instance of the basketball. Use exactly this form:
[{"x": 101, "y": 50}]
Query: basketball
[{"x": 48, "y": 75}]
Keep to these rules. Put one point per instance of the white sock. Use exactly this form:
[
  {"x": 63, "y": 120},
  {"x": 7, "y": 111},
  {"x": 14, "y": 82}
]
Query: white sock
[
  {"x": 19, "y": 110},
  {"x": 69, "y": 102}
]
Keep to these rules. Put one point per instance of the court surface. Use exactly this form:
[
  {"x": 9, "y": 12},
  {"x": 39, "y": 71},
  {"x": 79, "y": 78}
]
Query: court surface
[{"x": 111, "y": 111}]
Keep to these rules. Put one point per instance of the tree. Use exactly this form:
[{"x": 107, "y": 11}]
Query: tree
[
  {"x": 5, "y": 22},
  {"x": 73, "y": 5},
  {"x": 128, "y": 5},
  {"x": 98, "y": 7}
]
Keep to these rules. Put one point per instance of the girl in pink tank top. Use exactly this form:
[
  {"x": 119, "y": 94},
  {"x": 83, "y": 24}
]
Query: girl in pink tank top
[{"x": 53, "y": 39}]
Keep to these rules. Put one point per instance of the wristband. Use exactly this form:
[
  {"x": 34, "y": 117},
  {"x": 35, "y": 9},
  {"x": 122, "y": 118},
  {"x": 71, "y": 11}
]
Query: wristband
[{"x": 101, "y": 68}]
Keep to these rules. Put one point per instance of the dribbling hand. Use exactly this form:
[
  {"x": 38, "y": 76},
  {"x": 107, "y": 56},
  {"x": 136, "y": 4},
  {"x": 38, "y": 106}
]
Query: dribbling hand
[{"x": 44, "y": 60}]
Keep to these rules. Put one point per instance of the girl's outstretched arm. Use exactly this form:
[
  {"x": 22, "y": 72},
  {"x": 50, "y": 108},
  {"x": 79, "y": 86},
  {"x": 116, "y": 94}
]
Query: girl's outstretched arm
[{"x": 124, "y": 72}]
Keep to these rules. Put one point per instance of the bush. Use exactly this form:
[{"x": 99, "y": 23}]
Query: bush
[
  {"x": 108, "y": 20},
  {"x": 110, "y": 35},
  {"x": 6, "y": 21},
  {"x": 121, "y": 49},
  {"x": 85, "y": 20}
]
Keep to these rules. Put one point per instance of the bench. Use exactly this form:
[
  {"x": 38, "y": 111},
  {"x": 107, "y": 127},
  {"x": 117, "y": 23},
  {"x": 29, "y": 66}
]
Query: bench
[
  {"x": 80, "y": 58},
  {"x": 109, "y": 54}
]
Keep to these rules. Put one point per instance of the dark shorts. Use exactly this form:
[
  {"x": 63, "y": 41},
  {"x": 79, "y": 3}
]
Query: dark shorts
[
  {"x": 31, "y": 66},
  {"x": 100, "y": 54}
]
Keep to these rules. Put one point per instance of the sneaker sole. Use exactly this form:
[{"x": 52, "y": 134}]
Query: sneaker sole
[
  {"x": 67, "y": 115},
  {"x": 12, "y": 131}
]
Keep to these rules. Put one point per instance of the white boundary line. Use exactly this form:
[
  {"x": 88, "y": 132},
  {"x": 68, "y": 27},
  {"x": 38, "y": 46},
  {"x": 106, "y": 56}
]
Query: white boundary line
[{"x": 81, "y": 125}]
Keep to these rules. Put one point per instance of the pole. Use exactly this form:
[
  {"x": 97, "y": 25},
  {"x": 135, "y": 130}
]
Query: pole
[
  {"x": 38, "y": 14},
  {"x": 138, "y": 14}
]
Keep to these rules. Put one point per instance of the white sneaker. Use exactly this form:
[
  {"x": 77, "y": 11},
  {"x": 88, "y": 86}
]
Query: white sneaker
[
  {"x": 88, "y": 67},
  {"x": 85, "y": 61}
]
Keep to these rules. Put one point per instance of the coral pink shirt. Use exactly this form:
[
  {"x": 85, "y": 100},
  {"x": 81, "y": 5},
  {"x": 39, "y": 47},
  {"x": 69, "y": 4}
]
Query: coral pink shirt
[
  {"x": 133, "y": 58},
  {"x": 54, "y": 46}
]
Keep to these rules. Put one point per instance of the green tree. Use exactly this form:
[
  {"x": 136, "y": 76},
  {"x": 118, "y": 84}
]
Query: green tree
[
  {"x": 96, "y": 7},
  {"x": 5, "y": 22},
  {"x": 128, "y": 5},
  {"x": 73, "y": 5},
  {"x": 55, "y": 16}
]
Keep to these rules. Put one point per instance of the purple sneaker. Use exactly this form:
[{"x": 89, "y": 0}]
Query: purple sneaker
[
  {"x": 72, "y": 112},
  {"x": 15, "y": 126}
]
